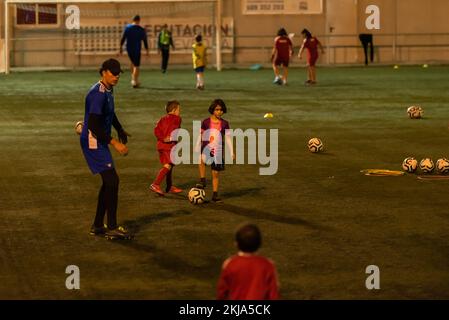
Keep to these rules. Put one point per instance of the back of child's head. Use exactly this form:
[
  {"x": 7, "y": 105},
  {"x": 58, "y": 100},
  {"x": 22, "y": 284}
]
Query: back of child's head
[
  {"x": 136, "y": 18},
  {"x": 248, "y": 238},
  {"x": 199, "y": 38},
  {"x": 282, "y": 32},
  {"x": 171, "y": 105},
  {"x": 306, "y": 33},
  {"x": 215, "y": 103}
]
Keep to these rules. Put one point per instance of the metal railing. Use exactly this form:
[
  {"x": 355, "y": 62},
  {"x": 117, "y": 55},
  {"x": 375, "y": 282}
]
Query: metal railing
[{"x": 340, "y": 49}]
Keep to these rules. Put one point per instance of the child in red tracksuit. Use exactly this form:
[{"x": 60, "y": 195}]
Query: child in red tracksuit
[{"x": 163, "y": 131}]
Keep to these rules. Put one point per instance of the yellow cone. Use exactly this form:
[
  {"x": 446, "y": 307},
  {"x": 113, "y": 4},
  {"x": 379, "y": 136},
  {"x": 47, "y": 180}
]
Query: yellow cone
[{"x": 268, "y": 115}]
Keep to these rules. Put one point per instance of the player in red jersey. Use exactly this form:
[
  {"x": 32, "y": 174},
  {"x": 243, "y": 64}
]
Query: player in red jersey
[
  {"x": 282, "y": 51},
  {"x": 247, "y": 275},
  {"x": 163, "y": 131},
  {"x": 311, "y": 44}
]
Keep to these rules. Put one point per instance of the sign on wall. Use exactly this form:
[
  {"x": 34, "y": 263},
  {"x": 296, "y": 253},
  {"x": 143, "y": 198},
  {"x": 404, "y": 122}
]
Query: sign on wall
[
  {"x": 185, "y": 30},
  {"x": 97, "y": 39},
  {"x": 282, "y": 6}
]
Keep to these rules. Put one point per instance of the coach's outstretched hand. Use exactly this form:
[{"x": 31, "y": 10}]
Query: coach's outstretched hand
[
  {"x": 120, "y": 147},
  {"x": 123, "y": 136}
]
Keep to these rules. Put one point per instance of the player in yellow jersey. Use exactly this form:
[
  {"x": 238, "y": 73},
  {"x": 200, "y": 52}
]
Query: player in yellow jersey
[{"x": 199, "y": 58}]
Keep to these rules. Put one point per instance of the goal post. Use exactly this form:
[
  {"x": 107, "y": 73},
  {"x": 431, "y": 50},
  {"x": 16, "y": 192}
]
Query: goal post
[{"x": 37, "y": 30}]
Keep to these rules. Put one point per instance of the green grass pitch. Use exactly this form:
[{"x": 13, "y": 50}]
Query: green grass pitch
[{"x": 323, "y": 222}]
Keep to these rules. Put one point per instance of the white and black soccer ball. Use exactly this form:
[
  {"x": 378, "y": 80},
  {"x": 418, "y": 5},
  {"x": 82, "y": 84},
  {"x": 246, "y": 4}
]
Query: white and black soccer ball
[
  {"x": 426, "y": 165},
  {"x": 79, "y": 127},
  {"x": 197, "y": 195},
  {"x": 410, "y": 164},
  {"x": 442, "y": 165},
  {"x": 315, "y": 145},
  {"x": 415, "y": 112}
]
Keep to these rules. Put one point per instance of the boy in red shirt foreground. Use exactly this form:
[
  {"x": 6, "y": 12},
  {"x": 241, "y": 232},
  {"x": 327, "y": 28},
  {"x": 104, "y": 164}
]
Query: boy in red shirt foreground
[{"x": 247, "y": 275}]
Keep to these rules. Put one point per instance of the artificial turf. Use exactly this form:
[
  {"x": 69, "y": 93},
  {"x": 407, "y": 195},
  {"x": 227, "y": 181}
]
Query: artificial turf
[{"x": 323, "y": 222}]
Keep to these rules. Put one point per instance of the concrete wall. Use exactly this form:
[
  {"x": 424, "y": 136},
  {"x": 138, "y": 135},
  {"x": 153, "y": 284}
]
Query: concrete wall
[{"x": 411, "y": 31}]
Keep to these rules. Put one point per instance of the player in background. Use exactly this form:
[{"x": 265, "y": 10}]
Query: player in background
[
  {"x": 164, "y": 132},
  {"x": 134, "y": 34},
  {"x": 164, "y": 41},
  {"x": 199, "y": 58},
  {"x": 280, "y": 56},
  {"x": 247, "y": 275},
  {"x": 311, "y": 44},
  {"x": 99, "y": 118},
  {"x": 213, "y": 137}
]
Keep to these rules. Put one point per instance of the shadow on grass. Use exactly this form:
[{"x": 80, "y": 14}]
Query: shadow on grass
[
  {"x": 208, "y": 268},
  {"x": 260, "y": 214},
  {"x": 241, "y": 192},
  {"x": 134, "y": 226}
]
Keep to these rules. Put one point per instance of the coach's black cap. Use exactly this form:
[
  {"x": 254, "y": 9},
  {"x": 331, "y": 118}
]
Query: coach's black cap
[{"x": 113, "y": 66}]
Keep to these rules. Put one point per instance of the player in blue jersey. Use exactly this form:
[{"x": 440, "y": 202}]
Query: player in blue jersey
[
  {"x": 134, "y": 34},
  {"x": 99, "y": 118}
]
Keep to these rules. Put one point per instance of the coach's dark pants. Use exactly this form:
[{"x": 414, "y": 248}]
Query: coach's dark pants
[{"x": 108, "y": 199}]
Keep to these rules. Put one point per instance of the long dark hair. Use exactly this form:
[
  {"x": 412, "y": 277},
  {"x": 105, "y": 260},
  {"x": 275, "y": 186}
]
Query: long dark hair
[
  {"x": 306, "y": 33},
  {"x": 215, "y": 103}
]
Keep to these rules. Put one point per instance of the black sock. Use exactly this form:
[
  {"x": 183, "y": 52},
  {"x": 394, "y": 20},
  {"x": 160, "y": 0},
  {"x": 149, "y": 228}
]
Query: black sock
[
  {"x": 101, "y": 210},
  {"x": 168, "y": 178},
  {"x": 203, "y": 181},
  {"x": 110, "y": 196},
  {"x": 215, "y": 195}
]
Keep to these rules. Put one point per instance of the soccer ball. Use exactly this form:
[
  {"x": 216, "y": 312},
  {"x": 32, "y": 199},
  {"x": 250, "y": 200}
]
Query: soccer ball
[
  {"x": 443, "y": 165},
  {"x": 410, "y": 164},
  {"x": 79, "y": 127},
  {"x": 426, "y": 165},
  {"x": 315, "y": 145},
  {"x": 197, "y": 195},
  {"x": 415, "y": 112}
]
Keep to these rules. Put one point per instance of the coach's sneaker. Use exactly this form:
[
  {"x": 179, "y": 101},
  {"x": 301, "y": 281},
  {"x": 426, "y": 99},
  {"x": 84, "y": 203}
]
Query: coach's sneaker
[
  {"x": 174, "y": 189},
  {"x": 97, "y": 231},
  {"x": 157, "y": 189},
  {"x": 118, "y": 233}
]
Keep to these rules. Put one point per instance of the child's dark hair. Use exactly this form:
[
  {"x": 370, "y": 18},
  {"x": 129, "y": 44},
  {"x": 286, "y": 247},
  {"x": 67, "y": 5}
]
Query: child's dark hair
[
  {"x": 199, "y": 38},
  {"x": 217, "y": 102},
  {"x": 136, "y": 18},
  {"x": 282, "y": 32},
  {"x": 248, "y": 238},
  {"x": 306, "y": 33},
  {"x": 171, "y": 105}
]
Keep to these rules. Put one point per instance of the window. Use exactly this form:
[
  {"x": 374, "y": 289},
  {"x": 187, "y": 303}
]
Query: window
[{"x": 37, "y": 14}]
